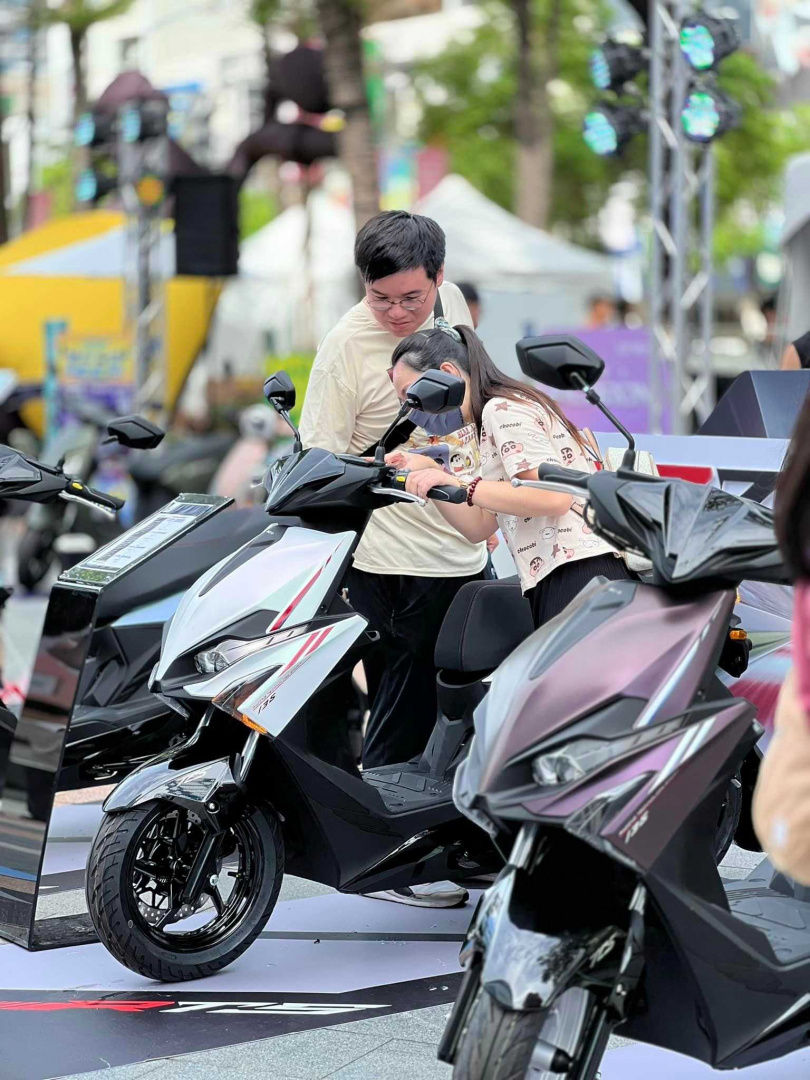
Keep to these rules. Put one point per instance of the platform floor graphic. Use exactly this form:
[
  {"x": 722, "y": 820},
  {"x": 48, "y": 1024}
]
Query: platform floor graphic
[{"x": 322, "y": 963}]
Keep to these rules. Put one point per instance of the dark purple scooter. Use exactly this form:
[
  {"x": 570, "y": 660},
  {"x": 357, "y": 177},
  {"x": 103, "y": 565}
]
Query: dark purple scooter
[{"x": 603, "y": 758}]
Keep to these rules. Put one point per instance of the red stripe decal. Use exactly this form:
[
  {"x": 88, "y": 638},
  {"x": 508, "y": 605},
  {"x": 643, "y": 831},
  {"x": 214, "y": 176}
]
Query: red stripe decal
[
  {"x": 285, "y": 614},
  {"x": 58, "y": 1006}
]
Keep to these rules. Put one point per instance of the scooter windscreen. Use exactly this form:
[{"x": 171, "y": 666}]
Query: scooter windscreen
[{"x": 691, "y": 532}]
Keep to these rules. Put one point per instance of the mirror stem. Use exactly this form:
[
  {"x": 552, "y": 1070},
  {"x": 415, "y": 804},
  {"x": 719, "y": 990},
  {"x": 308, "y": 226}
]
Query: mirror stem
[
  {"x": 629, "y": 459},
  {"x": 297, "y": 445},
  {"x": 379, "y": 453}
]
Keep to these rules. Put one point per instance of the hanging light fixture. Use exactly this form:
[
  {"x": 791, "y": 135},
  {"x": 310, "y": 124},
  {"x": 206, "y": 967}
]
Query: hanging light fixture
[
  {"x": 707, "y": 114},
  {"x": 608, "y": 128},
  {"x": 706, "y": 40},
  {"x": 616, "y": 63}
]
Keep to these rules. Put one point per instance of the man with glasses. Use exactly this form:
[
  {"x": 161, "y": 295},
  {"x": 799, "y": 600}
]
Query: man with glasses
[{"x": 409, "y": 564}]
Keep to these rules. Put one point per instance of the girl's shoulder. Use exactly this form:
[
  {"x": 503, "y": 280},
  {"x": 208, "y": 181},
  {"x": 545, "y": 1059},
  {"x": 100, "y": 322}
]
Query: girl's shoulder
[{"x": 520, "y": 406}]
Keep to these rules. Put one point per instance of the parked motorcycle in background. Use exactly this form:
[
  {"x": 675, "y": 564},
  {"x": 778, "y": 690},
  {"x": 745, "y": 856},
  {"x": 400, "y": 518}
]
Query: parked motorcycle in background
[
  {"x": 608, "y": 758},
  {"x": 75, "y": 448},
  {"x": 263, "y": 438}
]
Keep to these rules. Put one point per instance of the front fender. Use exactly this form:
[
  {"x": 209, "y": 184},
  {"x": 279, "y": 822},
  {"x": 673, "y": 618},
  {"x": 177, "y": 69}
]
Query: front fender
[
  {"x": 204, "y": 787},
  {"x": 526, "y": 969}
]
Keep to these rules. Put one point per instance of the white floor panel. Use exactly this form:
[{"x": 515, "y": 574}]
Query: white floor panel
[
  {"x": 269, "y": 966},
  {"x": 639, "y": 1062}
]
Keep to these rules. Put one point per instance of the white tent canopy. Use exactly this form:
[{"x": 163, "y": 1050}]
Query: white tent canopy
[
  {"x": 281, "y": 300},
  {"x": 488, "y": 245}
]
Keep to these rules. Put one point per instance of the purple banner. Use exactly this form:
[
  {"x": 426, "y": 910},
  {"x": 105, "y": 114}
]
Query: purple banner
[{"x": 625, "y": 386}]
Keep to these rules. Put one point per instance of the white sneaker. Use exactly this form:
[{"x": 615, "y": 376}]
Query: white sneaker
[{"x": 436, "y": 894}]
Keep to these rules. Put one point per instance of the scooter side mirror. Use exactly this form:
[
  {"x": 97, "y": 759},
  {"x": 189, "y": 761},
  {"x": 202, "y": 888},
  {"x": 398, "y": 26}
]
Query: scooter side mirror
[
  {"x": 280, "y": 391},
  {"x": 562, "y": 362},
  {"x": 136, "y": 432},
  {"x": 436, "y": 392}
]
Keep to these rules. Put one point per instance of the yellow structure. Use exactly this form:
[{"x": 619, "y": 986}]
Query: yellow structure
[{"x": 47, "y": 275}]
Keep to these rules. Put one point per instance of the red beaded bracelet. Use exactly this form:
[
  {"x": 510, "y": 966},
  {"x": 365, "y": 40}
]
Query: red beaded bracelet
[{"x": 471, "y": 490}]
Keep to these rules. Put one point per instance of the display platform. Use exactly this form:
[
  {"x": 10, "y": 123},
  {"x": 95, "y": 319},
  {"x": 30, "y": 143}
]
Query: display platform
[{"x": 322, "y": 961}]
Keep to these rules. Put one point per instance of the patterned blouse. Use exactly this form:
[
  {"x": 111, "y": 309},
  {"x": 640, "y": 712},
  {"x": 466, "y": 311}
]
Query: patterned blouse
[{"x": 520, "y": 435}]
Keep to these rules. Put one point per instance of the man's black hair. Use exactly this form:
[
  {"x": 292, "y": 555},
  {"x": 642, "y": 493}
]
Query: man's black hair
[
  {"x": 469, "y": 292},
  {"x": 396, "y": 240}
]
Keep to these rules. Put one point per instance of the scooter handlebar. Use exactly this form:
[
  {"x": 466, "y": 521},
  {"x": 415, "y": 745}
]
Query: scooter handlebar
[
  {"x": 560, "y": 475},
  {"x": 77, "y": 491},
  {"x": 441, "y": 493},
  {"x": 448, "y": 493}
]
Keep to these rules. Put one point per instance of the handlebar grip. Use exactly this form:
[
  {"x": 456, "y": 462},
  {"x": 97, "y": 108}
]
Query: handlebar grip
[
  {"x": 562, "y": 475},
  {"x": 99, "y": 498},
  {"x": 448, "y": 493}
]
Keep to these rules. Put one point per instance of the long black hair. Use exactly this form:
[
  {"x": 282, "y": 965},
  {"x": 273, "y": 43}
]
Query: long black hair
[
  {"x": 792, "y": 501},
  {"x": 427, "y": 350}
]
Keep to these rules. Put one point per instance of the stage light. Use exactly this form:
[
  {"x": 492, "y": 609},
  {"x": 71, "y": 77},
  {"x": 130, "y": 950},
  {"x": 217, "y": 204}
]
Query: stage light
[
  {"x": 94, "y": 128},
  {"x": 150, "y": 190},
  {"x": 615, "y": 63},
  {"x": 708, "y": 39},
  {"x": 93, "y": 184},
  {"x": 707, "y": 114},
  {"x": 608, "y": 128},
  {"x": 142, "y": 120}
]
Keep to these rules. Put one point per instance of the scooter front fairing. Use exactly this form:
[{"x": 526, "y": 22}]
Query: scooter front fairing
[{"x": 245, "y": 631}]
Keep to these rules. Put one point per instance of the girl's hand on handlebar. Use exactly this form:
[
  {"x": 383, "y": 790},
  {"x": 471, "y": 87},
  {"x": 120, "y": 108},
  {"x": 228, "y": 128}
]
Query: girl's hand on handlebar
[
  {"x": 401, "y": 459},
  {"x": 420, "y": 482}
]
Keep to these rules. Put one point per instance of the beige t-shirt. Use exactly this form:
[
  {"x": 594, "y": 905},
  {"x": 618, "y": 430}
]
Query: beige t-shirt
[
  {"x": 520, "y": 435},
  {"x": 350, "y": 402}
]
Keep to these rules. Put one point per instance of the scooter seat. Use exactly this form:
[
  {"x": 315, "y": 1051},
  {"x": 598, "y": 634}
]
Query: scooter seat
[{"x": 484, "y": 623}]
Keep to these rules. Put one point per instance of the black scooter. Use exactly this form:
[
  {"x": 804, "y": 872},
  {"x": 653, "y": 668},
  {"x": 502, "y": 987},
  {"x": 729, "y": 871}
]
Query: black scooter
[{"x": 603, "y": 755}]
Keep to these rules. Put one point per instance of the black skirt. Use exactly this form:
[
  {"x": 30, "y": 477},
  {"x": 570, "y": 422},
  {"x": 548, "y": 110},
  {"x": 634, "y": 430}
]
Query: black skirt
[{"x": 558, "y": 589}]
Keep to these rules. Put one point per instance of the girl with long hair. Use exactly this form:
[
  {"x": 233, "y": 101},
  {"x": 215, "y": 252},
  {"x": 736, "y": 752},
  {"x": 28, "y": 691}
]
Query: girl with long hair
[{"x": 519, "y": 428}]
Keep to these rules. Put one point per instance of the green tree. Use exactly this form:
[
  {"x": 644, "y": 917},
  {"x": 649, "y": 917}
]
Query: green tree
[
  {"x": 468, "y": 95},
  {"x": 474, "y": 102}
]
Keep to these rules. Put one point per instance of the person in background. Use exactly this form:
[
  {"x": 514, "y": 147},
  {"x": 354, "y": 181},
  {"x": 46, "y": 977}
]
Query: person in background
[
  {"x": 797, "y": 354},
  {"x": 781, "y": 808},
  {"x": 520, "y": 428},
  {"x": 473, "y": 298},
  {"x": 601, "y": 312},
  {"x": 410, "y": 562}
]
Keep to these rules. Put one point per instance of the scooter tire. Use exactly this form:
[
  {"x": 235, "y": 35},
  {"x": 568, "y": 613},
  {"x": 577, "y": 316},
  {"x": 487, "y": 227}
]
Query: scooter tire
[
  {"x": 129, "y": 940},
  {"x": 499, "y": 1043}
]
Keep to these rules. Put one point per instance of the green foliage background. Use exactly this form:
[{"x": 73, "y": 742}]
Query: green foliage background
[{"x": 468, "y": 91}]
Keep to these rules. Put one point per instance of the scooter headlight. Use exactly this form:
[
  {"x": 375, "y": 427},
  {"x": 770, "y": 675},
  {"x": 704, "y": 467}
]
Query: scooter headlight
[
  {"x": 566, "y": 763},
  {"x": 569, "y": 763},
  {"x": 212, "y": 661}
]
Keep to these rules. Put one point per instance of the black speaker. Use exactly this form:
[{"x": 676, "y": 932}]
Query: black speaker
[{"x": 206, "y": 225}]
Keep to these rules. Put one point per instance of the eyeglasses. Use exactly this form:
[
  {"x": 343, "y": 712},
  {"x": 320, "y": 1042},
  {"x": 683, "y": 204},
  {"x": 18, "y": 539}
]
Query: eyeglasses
[{"x": 408, "y": 303}]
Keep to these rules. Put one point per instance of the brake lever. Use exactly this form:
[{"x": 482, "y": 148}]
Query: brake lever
[
  {"x": 550, "y": 485},
  {"x": 403, "y": 496}
]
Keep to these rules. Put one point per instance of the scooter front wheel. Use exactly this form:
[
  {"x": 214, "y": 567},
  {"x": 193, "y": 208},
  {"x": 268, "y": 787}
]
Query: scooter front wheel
[
  {"x": 136, "y": 875},
  {"x": 545, "y": 1044}
]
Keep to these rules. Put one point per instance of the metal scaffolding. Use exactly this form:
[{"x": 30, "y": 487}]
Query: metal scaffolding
[
  {"x": 145, "y": 277},
  {"x": 682, "y": 209}
]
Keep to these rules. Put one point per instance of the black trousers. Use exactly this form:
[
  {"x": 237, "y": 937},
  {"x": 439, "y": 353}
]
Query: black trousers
[
  {"x": 407, "y": 612},
  {"x": 558, "y": 589}
]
